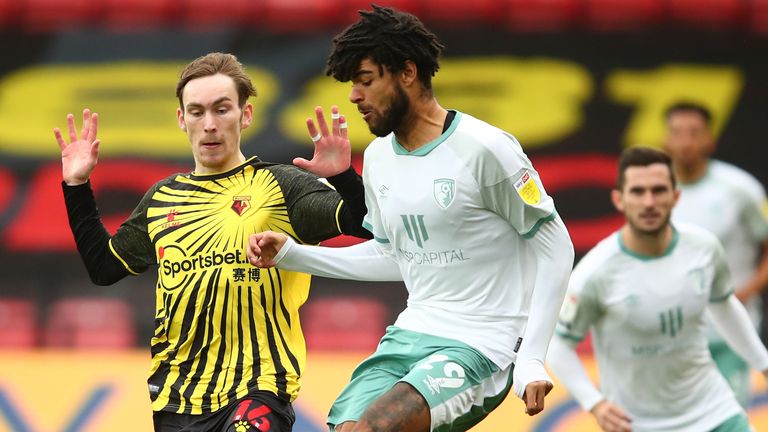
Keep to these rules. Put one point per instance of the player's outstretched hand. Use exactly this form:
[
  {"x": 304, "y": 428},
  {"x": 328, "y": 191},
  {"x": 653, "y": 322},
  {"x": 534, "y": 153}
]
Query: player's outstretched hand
[
  {"x": 79, "y": 157},
  {"x": 263, "y": 247},
  {"x": 534, "y": 396},
  {"x": 333, "y": 153},
  {"x": 611, "y": 418}
]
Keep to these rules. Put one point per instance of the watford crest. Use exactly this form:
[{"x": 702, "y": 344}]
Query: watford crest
[{"x": 241, "y": 204}]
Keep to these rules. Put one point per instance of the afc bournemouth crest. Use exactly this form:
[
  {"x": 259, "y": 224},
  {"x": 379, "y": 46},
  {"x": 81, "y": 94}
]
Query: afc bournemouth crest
[
  {"x": 241, "y": 204},
  {"x": 444, "y": 191}
]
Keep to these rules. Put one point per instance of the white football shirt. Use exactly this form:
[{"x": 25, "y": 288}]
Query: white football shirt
[
  {"x": 728, "y": 201},
  {"x": 647, "y": 320},
  {"x": 455, "y": 214}
]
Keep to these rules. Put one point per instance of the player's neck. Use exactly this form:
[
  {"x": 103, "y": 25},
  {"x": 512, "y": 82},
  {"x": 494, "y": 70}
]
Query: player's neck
[
  {"x": 232, "y": 162},
  {"x": 691, "y": 173},
  {"x": 422, "y": 125},
  {"x": 647, "y": 244}
]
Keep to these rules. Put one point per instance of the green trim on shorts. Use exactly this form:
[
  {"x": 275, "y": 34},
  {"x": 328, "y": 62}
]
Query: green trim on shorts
[
  {"x": 477, "y": 414},
  {"x": 445, "y": 371},
  {"x": 737, "y": 423}
]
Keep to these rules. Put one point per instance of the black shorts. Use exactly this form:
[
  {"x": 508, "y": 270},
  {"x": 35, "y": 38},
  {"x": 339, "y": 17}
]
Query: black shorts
[{"x": 259, "y": 412}]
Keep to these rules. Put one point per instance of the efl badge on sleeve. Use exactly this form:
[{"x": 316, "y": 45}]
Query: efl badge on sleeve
[
  {"x": 444, "y": 191},
  {"x": 765, "y": 209},
  {"x": 568, "y": 310},
  {"x": 527, "y": 189}
]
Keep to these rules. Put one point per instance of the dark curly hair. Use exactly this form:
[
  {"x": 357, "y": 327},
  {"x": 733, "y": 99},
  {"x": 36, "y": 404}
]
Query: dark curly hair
[{"x": 389, "y": 38}]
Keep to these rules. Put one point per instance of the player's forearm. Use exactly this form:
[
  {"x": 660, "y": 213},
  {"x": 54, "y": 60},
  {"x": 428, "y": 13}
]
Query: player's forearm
[
  {"x": 350, "y": 186},
  {"x": 567, "y": 367},
  {"x": 363, "y": 262},
  {"x": 554, "y": 260},
  {"x": 733, "y": 322},
  {"x": 91, "y": 237}
]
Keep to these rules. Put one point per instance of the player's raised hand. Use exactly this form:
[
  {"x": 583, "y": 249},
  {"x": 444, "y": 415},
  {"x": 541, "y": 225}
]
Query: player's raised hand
[
  {"x": 333, "y": 152},
  {"x": 79, "y": 157},
  {"x": 611, "y": 418},
  {"x": 534, "y": 396},
  {"x": 263, "y": 247}
]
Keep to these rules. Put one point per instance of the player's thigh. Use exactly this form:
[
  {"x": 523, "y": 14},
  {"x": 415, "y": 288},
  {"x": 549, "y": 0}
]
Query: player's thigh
[
  {"x": 370, "y": 381},
  {"x": 375, "y": 375},
  {"x": 401, "y": 409},
  {"x": 460, "y": 386},
  {"x": 259, "y": 413},
  {"x": 170, "y": 422},
  {"x": 345, "y": 427}
]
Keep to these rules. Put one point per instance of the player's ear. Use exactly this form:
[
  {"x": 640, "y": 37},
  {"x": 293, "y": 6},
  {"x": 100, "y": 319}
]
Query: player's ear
[
  {"x": 616, "y": 200},
  {"x": 247, "y": 116},
  {"x": 410, "y": 73},
  {"x": 180, "y": 119}
]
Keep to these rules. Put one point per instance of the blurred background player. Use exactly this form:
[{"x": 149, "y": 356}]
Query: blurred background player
[
  {"x": 228, "y": 351},
  {"x": 644, "y": 292},
  {"x": 731, "y": 203},
  {"x": 459, "y": 213}
]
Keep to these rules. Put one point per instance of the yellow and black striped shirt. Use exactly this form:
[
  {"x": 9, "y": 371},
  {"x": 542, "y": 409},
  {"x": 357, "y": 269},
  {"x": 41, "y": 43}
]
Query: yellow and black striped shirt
[{"x": 224, "y": 328}]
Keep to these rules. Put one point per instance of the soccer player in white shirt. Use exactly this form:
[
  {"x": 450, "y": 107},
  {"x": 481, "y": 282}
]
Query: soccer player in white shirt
[
  {"x": 460, "y": 215},
  {"x": 644, "y": 292},
  {"x": 729, "y": 202}
]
